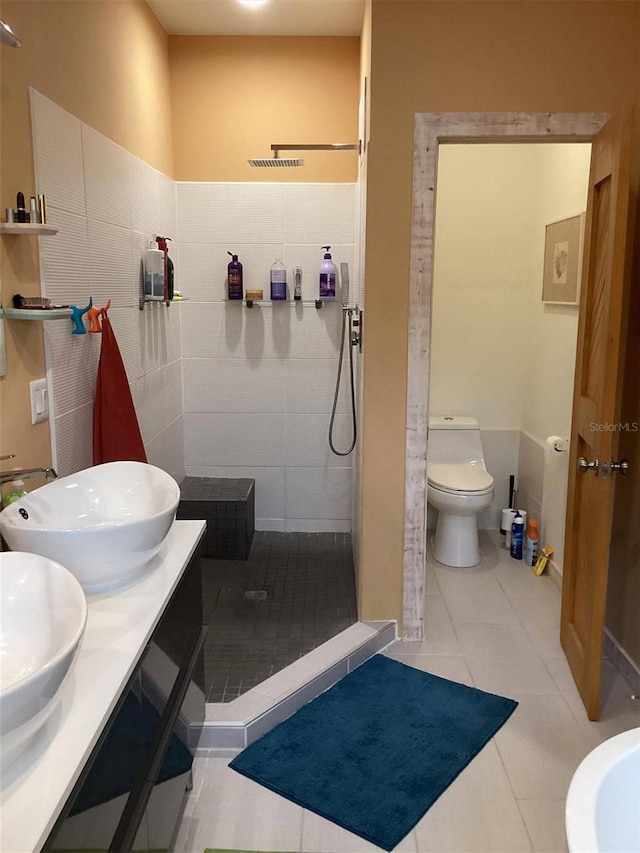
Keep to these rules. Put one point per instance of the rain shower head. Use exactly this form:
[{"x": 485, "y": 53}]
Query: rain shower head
[
  {"x": 7, "y": 36},
  {"x": 279, "y": 162},
  {"x": 288, "y": 162}
]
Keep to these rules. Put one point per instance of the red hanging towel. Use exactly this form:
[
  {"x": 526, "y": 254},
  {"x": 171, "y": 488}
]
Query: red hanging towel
[{"x": 116, "y": 433}]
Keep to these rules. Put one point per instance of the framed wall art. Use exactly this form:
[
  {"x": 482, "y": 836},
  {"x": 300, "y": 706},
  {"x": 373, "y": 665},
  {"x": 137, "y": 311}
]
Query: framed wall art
[{"x": 563, "y": 261}]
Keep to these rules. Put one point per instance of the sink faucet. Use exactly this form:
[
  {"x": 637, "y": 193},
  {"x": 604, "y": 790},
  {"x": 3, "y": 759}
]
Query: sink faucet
[{"x": 25, "y": 473}]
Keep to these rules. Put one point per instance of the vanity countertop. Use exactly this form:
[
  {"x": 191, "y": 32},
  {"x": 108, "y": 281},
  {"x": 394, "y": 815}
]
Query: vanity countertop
[{"x": 119, "y": 624}]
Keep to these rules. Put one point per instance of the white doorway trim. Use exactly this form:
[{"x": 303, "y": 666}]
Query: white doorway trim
[{"x": 430, "y": 130}]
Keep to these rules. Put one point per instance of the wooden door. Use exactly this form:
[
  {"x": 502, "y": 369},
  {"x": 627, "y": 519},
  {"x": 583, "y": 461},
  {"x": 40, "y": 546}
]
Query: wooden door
[{"x": 596, "y": 406}]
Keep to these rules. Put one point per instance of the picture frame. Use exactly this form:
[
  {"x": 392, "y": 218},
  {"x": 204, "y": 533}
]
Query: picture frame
[{"x": 563, "y": 261}]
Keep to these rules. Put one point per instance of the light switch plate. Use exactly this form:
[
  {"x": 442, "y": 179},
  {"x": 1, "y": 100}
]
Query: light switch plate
[{"x": 39, "y": 401}]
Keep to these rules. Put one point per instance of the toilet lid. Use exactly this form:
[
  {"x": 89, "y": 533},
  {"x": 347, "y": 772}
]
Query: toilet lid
[{"x": 460, "y": 478}]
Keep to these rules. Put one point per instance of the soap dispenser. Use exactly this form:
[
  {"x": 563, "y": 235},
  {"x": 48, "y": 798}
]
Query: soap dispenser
[{"x": 328, "y": 276}]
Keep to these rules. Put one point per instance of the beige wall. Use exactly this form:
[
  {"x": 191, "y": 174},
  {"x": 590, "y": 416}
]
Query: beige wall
[
  {"x": 466, "y": 56},
  {"x": 80, "y": 55},
  {"x": 232, "y": 97}
]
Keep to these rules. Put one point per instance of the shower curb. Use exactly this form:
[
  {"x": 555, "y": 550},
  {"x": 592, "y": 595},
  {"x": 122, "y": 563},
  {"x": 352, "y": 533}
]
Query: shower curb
[{"x": 231, "y": 726}]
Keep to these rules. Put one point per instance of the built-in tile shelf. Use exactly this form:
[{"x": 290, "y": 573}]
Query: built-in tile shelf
[
  {"x": 35, "y": 313},
  {"x": 27, "y": 229}
]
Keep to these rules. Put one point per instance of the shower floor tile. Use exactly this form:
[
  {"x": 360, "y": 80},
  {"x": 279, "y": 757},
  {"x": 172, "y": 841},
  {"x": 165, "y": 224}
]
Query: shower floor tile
[{"x": 295, "y": 591}]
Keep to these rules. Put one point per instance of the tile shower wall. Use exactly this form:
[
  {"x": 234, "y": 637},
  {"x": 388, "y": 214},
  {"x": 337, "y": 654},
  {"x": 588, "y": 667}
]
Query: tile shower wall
[
  {"x": 259, "y": 383},
  {"x": 106, "y": 204}
]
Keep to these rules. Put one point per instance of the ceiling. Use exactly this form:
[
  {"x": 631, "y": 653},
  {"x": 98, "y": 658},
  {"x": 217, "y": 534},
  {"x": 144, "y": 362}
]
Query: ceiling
[{"x": 276, "y": 18}]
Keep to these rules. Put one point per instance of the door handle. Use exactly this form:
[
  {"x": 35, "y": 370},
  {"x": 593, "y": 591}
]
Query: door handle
[
  {"x": 609, "y": 468},
  {"x": 584, "y": 465}
]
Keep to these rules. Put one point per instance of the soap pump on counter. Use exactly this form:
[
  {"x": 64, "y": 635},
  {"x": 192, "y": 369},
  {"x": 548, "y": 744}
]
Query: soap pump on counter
[{"x": 328, "y": 276}]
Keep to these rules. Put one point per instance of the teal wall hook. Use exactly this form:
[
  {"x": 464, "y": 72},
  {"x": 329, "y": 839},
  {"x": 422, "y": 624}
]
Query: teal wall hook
[{"x": 76, "y": 318}]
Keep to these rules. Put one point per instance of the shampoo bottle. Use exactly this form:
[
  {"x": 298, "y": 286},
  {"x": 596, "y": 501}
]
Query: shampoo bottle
[
  {"x": 16, "y": 491},
  {"x": 278, "y": 281},
  {"x": 154, "y": 273},
  {"x": 328, "y": 276},
  {"x": 234, "y": 278},
  {"x": 532, "y": 544},
  {"x": 517, "y": 533}
]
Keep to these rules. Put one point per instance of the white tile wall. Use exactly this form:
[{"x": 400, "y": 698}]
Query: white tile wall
[
  {"x": 220, "y": 390},
  {"x": 259, "y": 383},
  {"x": 107, "y": 205}
]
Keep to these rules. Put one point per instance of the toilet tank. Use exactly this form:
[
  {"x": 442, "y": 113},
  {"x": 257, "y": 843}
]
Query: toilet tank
[{"x": 454, "y": 439}]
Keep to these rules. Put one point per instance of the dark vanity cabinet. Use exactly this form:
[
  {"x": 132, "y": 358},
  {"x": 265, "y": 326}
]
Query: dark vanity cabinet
[{"x": 130, "y": 794}]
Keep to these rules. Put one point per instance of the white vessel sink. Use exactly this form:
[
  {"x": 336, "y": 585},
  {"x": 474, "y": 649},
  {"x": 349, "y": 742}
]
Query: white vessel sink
[
  {"x": 105, "y": 524},
  {"x": 43, "y": 612}
]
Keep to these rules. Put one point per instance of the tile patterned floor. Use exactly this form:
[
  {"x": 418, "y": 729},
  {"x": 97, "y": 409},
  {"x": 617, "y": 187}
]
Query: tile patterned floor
[
  {"x": 294, "y": 592},
  {"x": 494, "y": 627}
]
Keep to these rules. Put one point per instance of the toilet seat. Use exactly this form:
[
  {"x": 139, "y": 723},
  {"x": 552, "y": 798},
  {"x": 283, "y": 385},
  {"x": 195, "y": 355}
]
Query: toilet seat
[{"x": 459, "y": 479}]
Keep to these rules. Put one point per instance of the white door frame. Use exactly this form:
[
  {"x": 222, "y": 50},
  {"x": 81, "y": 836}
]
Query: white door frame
[{"x": 430, "y": 130}]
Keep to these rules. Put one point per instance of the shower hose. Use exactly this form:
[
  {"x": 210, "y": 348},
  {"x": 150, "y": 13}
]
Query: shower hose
[{"x": 345, "y": 311}]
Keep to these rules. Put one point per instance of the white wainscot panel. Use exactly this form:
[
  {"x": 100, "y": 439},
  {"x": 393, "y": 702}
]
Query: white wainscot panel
[
  {"x": 310, "y": 257},
  {"x": 324, "y": 212},
  {"x": 234, "y": 439},
  {"x": 230, "y": 213},
  {"x": 307, "y": 441},
  {"x": 232, "y": 385},
  {"x": 72, "y": 362},
  {"x": 64, "y": 266},
  {"x": 501, "y": 458},
  {"x": 316, "y": 333},
  {"x": 111, "y": 254},
  {"x": 319, "y": 493},
  {"x": 108, "y": 178},
  {"x": 74, "y": 440},
  {"x": 310, "y": 386},
  {"x": 166, "y": 450},
  {"x": 58, "y": 155},
  {"x": 269, "y": 488}
]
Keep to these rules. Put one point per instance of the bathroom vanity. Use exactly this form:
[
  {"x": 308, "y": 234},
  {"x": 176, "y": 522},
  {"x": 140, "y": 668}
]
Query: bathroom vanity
[{"x": 110, "y": 768}]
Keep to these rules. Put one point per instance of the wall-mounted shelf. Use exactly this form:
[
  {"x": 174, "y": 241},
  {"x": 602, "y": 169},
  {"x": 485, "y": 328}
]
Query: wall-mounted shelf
[
  {"x": 269, "y": 303},
  {"x": 27, "y": 228},
  {"x": 35, "y": 313}
]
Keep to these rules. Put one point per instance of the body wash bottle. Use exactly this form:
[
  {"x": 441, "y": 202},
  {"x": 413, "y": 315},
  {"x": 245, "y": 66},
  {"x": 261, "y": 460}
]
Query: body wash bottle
[
  {"x": 154, "y": 273},
  {"x": 235, "y": 287}
]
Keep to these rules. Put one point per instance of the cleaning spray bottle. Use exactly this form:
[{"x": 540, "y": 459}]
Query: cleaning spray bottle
[
  {"x": 328, "y": 276},
  {"x": 234, "y": 278},
  {"x": 532, "y": 543}
]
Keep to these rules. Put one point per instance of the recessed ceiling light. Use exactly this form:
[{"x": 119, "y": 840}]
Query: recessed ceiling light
[{"x": 253, "y": 4}]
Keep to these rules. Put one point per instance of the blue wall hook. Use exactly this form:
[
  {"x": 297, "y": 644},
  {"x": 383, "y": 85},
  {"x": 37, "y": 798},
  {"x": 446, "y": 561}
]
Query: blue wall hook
[{"x": 76, "y": 317}]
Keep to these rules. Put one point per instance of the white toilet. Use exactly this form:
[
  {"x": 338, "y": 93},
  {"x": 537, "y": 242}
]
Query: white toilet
[{"x": 459, "y": 487}]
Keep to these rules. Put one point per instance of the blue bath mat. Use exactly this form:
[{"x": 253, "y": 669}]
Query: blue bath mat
[{"x": 375, "y": 751}]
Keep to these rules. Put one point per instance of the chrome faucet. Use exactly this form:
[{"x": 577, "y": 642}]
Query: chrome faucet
[{"x": 25, "y": 473}]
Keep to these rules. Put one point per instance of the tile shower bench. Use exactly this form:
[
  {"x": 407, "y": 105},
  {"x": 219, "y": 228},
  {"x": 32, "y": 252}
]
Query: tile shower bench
[{"x": 228, "y": 507}]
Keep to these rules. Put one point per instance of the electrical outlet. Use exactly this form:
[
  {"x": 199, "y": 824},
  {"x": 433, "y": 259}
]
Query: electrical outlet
[{"x": 39, "y": 401}]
